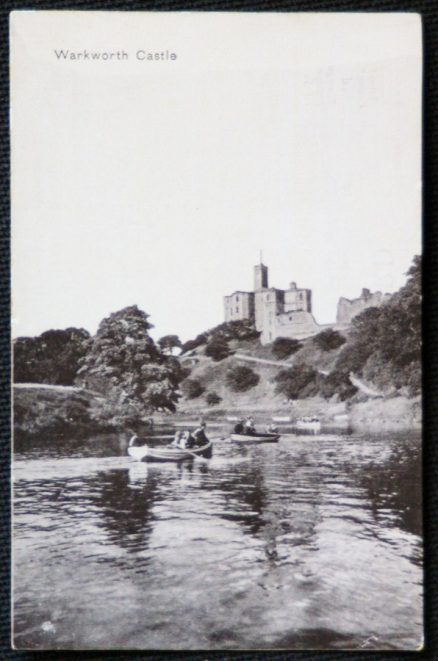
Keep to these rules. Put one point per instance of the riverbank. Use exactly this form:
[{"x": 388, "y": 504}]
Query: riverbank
[
  {"x": 392, "y": 413},
  {"x": 64, "y": 411},
  {"x": 58, "y": 411}
]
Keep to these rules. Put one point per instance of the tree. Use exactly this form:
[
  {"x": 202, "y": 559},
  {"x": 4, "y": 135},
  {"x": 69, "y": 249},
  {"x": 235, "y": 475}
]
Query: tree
[
  {"x": 337, "y": 383},
  {"x": 241, "y": 378},
  {"x": 168, "y": 343},
  {"x": 53, "y": 357},
  {"x": 125, "y": 365},
  {"x": 397, "y": 345},
  {"x": 384, "y": 344},
  {"x": 190, "y": 345},
  {"x": 192, "y": 388},
  {"x": 213, "y": 398},
  {"x": 283, "y": 347},
  {"x": 297, "y": 382},
  {"x": 218, "y": 349},
  {"x": 329, "y": 339},
  {"x": 242, "y": 329}
]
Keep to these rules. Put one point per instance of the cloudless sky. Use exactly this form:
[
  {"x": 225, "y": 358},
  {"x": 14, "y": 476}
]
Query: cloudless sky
[{"x": 158, "y": 183}]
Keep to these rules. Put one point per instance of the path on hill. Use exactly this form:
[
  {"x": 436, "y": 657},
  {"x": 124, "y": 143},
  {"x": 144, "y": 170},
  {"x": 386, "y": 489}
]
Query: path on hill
[
  {"x": 265, "y": 361},
  {"x": 47, "y": 386},
  {"x": 363, "y": 387}
]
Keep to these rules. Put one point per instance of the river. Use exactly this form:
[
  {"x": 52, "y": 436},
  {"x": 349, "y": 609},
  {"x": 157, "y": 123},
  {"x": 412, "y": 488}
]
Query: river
[{"x": 312, "y": 543}]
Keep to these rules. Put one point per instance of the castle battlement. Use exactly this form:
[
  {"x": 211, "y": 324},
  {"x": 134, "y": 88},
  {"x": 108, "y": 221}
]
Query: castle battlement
[
  {"x": 288, "y": 312},
  {"x": 266, "y": 305}
]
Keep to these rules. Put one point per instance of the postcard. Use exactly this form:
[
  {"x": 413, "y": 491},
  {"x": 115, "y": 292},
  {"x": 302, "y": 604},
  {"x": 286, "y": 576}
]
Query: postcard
[{"x": 216, "y": 257}]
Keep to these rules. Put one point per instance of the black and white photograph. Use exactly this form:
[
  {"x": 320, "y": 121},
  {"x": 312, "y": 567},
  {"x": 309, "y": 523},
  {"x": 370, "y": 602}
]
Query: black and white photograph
[{"x": 216, "y": 330}]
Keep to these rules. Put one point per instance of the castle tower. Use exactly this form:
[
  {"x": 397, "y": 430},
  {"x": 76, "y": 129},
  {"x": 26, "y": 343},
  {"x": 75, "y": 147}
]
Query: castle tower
[{"x": 260, "y": 277}]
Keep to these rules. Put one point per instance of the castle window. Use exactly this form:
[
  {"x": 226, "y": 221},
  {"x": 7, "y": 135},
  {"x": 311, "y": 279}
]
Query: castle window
[
  {"x": 237, "y": 298},
  {"x": 290, "y": 317},
  {"x": 237, "y": 308}
]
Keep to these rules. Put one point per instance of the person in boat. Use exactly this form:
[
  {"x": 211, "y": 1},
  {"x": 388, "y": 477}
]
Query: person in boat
[
  {"x": 199, "y": 435},
  {"x": 188, "y": 440},
  {"x": 271, "y": 429},
  {"x": 249, "y": 426},
  {"x": 239, "y": 427},
  {"x": 178, "y": 440}
]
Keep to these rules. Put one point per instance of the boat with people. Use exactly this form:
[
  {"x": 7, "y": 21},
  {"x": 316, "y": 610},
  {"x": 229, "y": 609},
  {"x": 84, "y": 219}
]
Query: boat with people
[
  {"x": 185, "y": 446},
  {"x": 308, "y": 422},
  {"x": 245, "y": 432},
  {"x": 255, "y": 438},
  {"x": 167, "y": 453}
]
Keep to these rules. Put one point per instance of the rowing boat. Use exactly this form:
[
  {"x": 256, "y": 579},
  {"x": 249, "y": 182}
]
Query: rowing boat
[
  {"x": 308, "y": 423},
  {"x": 255, "y": 438},
  {"x": 146, "y": 453}
]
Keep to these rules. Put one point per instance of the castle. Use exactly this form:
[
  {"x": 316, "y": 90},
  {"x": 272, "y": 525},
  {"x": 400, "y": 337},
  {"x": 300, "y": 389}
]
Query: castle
[{"x": 288, "y": 312}]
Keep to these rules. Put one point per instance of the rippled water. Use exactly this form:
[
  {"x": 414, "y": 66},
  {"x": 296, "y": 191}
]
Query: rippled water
[{"x": 311, "y": 543}]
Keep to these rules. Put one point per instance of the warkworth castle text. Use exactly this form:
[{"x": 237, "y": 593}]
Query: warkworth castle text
[{"x": 288, "y": 312}]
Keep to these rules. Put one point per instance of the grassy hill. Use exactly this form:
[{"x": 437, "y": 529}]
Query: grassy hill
[{"x": 262, "y": 397}]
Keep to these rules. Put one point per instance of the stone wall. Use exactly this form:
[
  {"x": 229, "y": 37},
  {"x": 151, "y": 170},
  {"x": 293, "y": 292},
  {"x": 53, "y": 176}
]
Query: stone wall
[
  {"x": 239, "y": 305},
  {"x": 347, "y": 309}
]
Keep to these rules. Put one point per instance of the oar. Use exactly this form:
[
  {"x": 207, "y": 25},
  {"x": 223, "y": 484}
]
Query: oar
[{"x": 196, "y": 456}]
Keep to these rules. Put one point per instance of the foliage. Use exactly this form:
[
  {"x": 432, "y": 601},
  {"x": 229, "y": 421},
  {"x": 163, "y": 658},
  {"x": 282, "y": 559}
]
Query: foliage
[
  {"x": 283, "y": 347},
  {"x": 192, "y": 388},
  {"x": 190, "y": 345},
  {"x": 52, "y": 357},
  {"x": 297, "y": 382},
  {"x": 124, "y": 363},
  {"x": 168, "y": 343},
  {"x": 217, "y": 349},
  {"x": 213, "y": 398},
  {"x": 241, "y": 378},
  {"x": 242, "y": 329},
  {"x": 337, "y": 383},
  {"x": 329, "y": 339},
  {"x": 384, "y": 344}
]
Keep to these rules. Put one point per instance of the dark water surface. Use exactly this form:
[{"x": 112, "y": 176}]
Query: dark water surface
[{"x": 311, "y": 543}]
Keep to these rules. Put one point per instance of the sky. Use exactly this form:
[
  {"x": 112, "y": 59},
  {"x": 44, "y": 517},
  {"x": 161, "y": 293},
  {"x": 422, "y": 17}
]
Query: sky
[{"x": 158, "y": 183}]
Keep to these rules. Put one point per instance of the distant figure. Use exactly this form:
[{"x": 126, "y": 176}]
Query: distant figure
[
  {"x": 188, "y": 440},
  {"x": 249, "y": 426},
  {"x": 239, "y": 427},
  {"x": 199, "y": 435},
  {"x": 271, "y": 429},
  {"x": 178, "y": 439}
]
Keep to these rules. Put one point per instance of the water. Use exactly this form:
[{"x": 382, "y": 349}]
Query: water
[{"x": 311, "y": 543}]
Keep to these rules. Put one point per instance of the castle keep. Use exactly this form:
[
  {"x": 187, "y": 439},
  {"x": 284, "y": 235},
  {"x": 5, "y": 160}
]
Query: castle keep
[{"x": 288, "y": 312}]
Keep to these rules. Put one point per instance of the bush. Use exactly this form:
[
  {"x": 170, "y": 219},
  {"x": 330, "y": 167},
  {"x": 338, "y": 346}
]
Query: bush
[
  {"x": 337, "y": 383},
  {"x": 297, "y": 382},
  {"x": 192, "y": 388},
  {"x": 241, "y": 378},
  {"x": 283, "y": 347},
  {"x": 213, "y": 398},
  {"x": 217, "y": 349},
  {"x": 242, "y": 329},
  {"x": 329, "y": 339},
  {"x": 194, "y": 344}
]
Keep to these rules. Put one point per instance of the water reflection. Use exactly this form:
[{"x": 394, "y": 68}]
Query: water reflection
[
  {"x": 125, "y": 515},
  {"x": 310, "y": 543}
]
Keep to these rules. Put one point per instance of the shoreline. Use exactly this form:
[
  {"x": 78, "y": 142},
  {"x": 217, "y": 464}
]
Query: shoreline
[{"x": 65, "y": 412}]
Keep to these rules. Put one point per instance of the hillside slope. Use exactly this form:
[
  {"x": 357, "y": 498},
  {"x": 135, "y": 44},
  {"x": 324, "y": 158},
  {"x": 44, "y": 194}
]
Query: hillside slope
[{"x": 262, "y": 397}]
